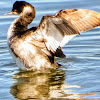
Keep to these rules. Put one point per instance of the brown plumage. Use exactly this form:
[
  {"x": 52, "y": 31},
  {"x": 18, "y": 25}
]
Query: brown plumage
[
  {"x": 82, "y": 19},
  {"x": 35, "y": 48}
]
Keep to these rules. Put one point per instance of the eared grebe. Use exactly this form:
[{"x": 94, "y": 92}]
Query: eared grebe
[{"x": 35, "y": 48}]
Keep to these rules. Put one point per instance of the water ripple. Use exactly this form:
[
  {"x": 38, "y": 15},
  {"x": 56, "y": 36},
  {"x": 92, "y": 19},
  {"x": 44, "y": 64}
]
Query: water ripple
[{"x": 77, "y": 78}]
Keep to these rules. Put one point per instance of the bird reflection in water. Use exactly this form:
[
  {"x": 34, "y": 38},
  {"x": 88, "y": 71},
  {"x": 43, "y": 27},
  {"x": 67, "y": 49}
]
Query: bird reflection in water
[
  {"x": 48, "y": 85},
  {"x": 35, "y": 85}
]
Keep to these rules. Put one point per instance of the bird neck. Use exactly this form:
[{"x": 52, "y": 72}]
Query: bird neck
[{"x": 20, "y": 25}]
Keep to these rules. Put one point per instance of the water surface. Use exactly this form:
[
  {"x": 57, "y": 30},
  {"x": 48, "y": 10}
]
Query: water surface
[{"x": 78, "y": 78}]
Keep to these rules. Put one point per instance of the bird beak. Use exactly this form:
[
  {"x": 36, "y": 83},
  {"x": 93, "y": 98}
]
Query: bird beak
[{"x": 10, "y": 13}]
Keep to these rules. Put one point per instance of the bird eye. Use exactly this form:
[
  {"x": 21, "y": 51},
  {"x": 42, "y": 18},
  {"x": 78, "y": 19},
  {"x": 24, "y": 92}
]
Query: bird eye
[{"x": 15, "y": 10}]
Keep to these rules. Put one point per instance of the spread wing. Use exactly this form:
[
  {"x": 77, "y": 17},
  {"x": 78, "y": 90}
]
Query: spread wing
[
  {"x": 82, "y": 19},
  {"x": 54, "y": 32}
]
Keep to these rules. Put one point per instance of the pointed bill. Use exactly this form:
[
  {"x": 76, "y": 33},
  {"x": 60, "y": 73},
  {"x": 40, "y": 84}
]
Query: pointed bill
[{"x": 9, "y": 13}]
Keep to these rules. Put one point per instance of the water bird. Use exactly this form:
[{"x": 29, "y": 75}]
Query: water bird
[{"x": 35, "y": 48}]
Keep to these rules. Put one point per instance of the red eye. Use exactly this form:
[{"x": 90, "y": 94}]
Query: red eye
[{"x": 15, "y": 10}]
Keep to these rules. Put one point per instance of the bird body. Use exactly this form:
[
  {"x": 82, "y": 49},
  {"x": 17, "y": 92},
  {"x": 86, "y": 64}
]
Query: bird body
[{"x": 35, "y": 48}]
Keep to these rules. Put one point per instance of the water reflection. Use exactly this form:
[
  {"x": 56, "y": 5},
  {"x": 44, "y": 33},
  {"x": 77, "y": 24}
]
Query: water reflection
[
  {"x": 48, "y": 85},
  {"x": 35, "y": 85}
]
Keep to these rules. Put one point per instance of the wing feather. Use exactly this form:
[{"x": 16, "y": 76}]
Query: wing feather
[
  {"x": 82, "y": 19},
  {"x": 54, "y": 30}
]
